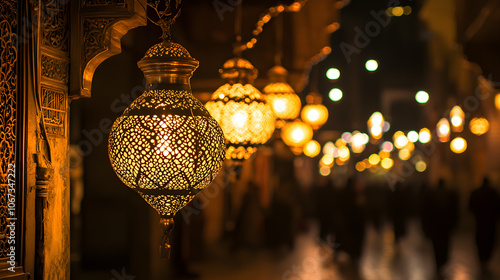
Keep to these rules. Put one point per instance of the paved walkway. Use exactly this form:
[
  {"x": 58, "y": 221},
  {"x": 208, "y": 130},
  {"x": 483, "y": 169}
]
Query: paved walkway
[{"x": 313, "y": 259}]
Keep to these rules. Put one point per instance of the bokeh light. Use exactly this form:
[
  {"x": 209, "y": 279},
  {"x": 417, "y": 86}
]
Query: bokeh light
[
  {"x": 360, "y": 166},
  {"x": 312, "y": 148},
  {"x": 387, "y": 163},
  {"x": 404, "y": 154},
  {"x": 457, "y": 119},
  {"x": 387, "y": 146},
  {"x": 412, "y": 136},
  {"x": 374, "y": 159},
  {"x": 497, "y": 101},
  {"x": 371, "y": 65},
  {"x": 324, "y": 170},
  {"x": 443, "y": 130},
  {"x": 422, "y": 97},
  {"x": 458, "y": 145},
  {"x": 479, "y": 126},
  {"x": 335, "y": 94},
  {"x": 328, "y": 148},
  {"x": 333, "y": 74},
  {"x": 424, "y": 136},
  {"x": 420, "y": 166}
]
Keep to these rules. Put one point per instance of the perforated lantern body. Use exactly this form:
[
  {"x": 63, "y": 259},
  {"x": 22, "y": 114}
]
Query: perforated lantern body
[
  {"x": 241, "y": 110},
  {"x": 166, "y": 145},
  {"x": 280, "y": 95}
]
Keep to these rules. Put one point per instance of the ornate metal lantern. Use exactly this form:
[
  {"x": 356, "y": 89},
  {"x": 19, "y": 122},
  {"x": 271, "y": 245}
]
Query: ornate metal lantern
[
  {"x": 241, "y": 110},
  {"x": 166, "y": 146},
  {"x": 285, "y": 103},
  {"x": 314, "y": 113}
]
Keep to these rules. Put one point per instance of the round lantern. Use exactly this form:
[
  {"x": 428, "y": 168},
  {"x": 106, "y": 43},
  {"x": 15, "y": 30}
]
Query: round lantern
[
  {"x": 479, "y": 126},
  {"x": 166, "y": 146},
  {"x": 296, "y": 134},
  {"x": 280, "y": 95},
  {"x": 241, "y": 110},
  {"x": 314, "y": 113}
]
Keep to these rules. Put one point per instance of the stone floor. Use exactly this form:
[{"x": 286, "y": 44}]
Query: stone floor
[{"x": 312, "y": 259}]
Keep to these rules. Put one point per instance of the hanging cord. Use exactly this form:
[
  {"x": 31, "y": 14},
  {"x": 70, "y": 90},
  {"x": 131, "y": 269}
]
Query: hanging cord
[
  {"x": 238, "y": 18},
  {"x": 166, "y": 12},
  {"x": 279, "y": 41}
]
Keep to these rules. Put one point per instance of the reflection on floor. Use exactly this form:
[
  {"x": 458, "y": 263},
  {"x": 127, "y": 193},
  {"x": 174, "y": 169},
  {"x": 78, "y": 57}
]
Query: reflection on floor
[{"x": 314, "y": 259}]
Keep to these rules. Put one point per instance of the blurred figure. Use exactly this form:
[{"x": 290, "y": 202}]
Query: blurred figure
[
  {"x": 280, "y": 223},
  {"x": 484, "y": 203},
  {"x": 398, "y": 210},
  {"x": 440, "y": 217},
  {"x": 325, "y": 195}
]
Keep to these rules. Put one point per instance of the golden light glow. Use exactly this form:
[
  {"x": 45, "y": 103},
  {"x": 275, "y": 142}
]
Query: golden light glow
[
  {"x": 296, "y": 134},
  {"x": 285, "y": 103},
  {"x": 328, "y": 148},
  {"x": 443, "y": 130},
  {"x": 458, "y": 145},
  {"x": 312, "y": 148},
  {"x": 387, "y": 163},
  {"x": 371, "y": 65},
  {"x": 340, "y": 142},
  {"x": 457, "y": 119},
  {"x": 376, "y": 119},
  {"x": 166, "y": 145},
  {"x": 384, "y": 154},
  {"x": 422, "y": 97},
  {"x": 397, "y": 11},
  {"x": 420, "y": 166},
  {"x": 315, "y": 115},
  {"x": 404, "y": 154},
  {"x": 324, "y": 170},
  {"x": 497, "y": 101},
  {"x": 360, "y": 166},
  {"x": 374, "y": 159},
  {"x": 344, "y": 153},
  {"x": 424, "y": 136},
  {"x": 479, "y": 126},
  {"x": 400, "y": 140},
  {"x": 327, "y": 160}
]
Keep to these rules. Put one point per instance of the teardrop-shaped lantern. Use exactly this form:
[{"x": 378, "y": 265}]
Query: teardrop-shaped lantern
[
  {"x": 166, "y": 146},
  {"x": 285, "y": 103},
  {"x": 241, "y": 110}
]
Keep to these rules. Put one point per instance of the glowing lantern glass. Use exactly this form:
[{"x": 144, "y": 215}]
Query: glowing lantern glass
[
  {"x": 166, "y": 146},
  {"x": 280, "y": 95},
  {"x": 376, "y": 123},
  {"x": 479, "y": 126},
  {"x": 314, "y": 113},
  {"x": 458, "y": 145},
  {"x": 497, "y": 101},
  {"x": 241, "y": 110},
  {"x": 296, "y": 134},
  {"x": 457, "y": 119},
  {"x": 443, "y": 130},
  {"x": 312, "y": 148}
]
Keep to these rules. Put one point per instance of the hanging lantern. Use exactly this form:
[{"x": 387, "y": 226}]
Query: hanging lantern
[
  {"x": 314, "y": 113},
  {"x": 479, "y": 126},
  {"x": 458, "y": 145},
  {"x": 376, "y": 123},
  {"x": 457, "y": 119},
  {"x": 296, "y": 134},
  {"x": 166, "y": 146},
  {"x": 443, "y": 130},
  {"x": 241, "y": 110},
  {"x": 312, "y": 148},
  {"x": 281, "y": 96}
]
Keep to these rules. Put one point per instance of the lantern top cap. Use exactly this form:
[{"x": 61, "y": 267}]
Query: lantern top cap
[
  {"x": 238, "y": 70},
  {"x": 277, "y": 71}
]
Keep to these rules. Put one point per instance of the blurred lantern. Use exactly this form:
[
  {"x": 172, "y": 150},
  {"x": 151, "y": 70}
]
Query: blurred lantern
[
  {"x": 458, "y": 145},
  {"x": 479, "y": 126},
  {"x": 376, "y": 123},
  {"x": 165, "y": 145},
  {"x": 333, "y": 74},
  {"x": 424, "y": 135},
  {"x": 412, "y": 136},
  {"x": 281, "y": 96},
  {"x": 296, "y": 134},
  {"x": 422, "y": 97},
  {"x": 314, "y": 113},
  {"x": 443, "y": 130},
  {"x": 420, "y": 166},
  {"x": 312, "y": 148},
  {"x": 400, "y": 140},
  {"x": 241, "y": 110},
  {"x": 457, "y": 119},
  {"x": 357, "y": 142},
  {"x": 497, "y": 101},
  {"x": 387, "y": 163}
]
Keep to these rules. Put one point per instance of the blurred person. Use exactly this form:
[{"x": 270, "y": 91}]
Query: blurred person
[
  {"x": 484, "y": 203},
  {"x": 440, "y": 217},
  {"x": 398, "y": 210},
  {"x": 324, "y": 196},
  {"x": 280, "y": 222}
]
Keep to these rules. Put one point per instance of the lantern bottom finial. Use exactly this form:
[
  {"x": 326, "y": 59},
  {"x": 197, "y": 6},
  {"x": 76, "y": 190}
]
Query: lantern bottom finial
[{"x": 166, "y": 225}]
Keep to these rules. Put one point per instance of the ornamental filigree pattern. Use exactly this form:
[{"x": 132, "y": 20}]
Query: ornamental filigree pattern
[
  {"x": 55, "y": 24},
  {"x": 8, "y": 93},
  {"x": 91, "y": 3},
  {"x": 93, "y": 30},
  {"x": 54, "y": 111},
  {"x": 55, "y": 69}
]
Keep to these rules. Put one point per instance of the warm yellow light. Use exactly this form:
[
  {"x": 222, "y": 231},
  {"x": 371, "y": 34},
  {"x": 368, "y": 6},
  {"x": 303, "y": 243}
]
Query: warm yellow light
[
  {"x": 497, "y": 101},
  {"x": 315, "y": 115},
  {"x": 422, "y": 97},
  {"x": 420, "y": 166},
  {"x": 397, "y": 11},
  {"x": 328, "y": 148},
  {"x": 376, "y": 119},
  {"x": 360, "y": 166},
  {"x": 333, "y": 74},
  {"x": 340, "y": 142},
  {"x": 285, "y": 103},
  {"x": 335, "y": 94},
  {"x": 312, "y": 148},
  {"x": 400, "y": 141},
  {"x": 457, "y": 119},
  {"x": 296, "y": 134},
  {"x": 376, "y": 132},
  {"x": 387, "y": 163},
  {"x": 340, "y": 161},
  {"x": 374, "y": 159},
  {"x": 324, "y": 171},
  {"x": 404, "y": 154},
  {"x": 458, "y": 145},
  {"x": 358, "y": 143},
  {"x": 407, "y": 10},
  {"x": 479, "y": 126},
  {"x": 371, "y": 65},
  {"x": 384, "y": 154},
  {"x": 412, "y": 136},
  {"x": 327, "y": 159},
  {"x": 443, "y": 130},
  {"x": 424, "y": 136},
  {"x": 344, "y": 153},
  {"x": 347, "y": 137}
]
